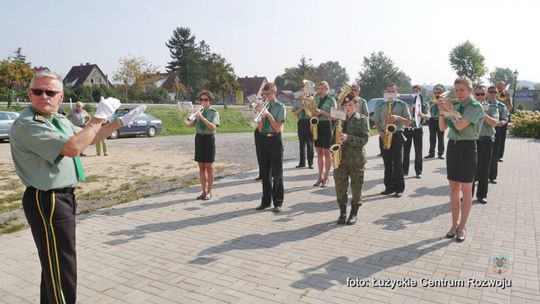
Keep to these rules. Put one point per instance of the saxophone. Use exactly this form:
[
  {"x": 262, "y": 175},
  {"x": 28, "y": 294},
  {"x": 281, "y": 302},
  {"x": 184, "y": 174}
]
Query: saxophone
[
  {"x": 336, "y": 148},
  {"x": 310, "y": 107},
  {"x": 389, "y": 128}
]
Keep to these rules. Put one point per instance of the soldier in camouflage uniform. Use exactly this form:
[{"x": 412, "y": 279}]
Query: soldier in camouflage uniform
[{"x": 355, "y": 134}]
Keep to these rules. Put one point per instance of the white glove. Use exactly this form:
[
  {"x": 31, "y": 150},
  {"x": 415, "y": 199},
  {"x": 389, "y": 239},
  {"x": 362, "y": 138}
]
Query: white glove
[
  {"x": 129, "y": 117},
  {"x": 106, "y": 107}
]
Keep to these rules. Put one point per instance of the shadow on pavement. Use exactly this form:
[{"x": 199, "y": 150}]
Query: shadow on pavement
[
  {"x": 400, "y": 220},
  {"x": 340, "y": 268}
]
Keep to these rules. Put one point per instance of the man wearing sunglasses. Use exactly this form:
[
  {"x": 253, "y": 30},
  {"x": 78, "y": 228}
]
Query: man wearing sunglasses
[
  {"x": 484, "y": 143},
  {"x": 45, "y": 148}
]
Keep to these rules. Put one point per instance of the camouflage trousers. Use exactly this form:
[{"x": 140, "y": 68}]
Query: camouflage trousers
[{"x": 341, "y": 180}]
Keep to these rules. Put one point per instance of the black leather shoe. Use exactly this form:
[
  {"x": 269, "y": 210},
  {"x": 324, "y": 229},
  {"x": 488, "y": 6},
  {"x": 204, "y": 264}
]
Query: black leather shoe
[
  {"x": 301, "y": 166},
  {"x": 276, "y": 209},
  {"x": 482, "y": 201},
  {"x": 262, "y": 207},
  {"x": 310, "y": 166},
  {"x": 501, "y": 160},
  {"x": 398, "y": 194},
  {"x": 451, "y": 234},
  {"x": 353, "y": 215},
  {"x": 387, "y": 192},
  {"x": 418, "y": 175},
  {"x": 258, "y": 178},
  {"x": 492, "y": 181},
  {"x": 441, "y": 157},
  {"x": 342, "y": 219},
  {"x": 429, "y": 156}
]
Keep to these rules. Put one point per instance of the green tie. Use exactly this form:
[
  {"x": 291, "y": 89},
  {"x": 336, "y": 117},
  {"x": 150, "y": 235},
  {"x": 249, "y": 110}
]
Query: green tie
[
  {"x": 76, "y": 160},
  {"x": 202, "y": 126}
]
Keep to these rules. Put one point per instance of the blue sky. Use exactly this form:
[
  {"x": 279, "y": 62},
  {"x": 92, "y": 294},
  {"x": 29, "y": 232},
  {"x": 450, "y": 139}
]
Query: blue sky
[{"x": 263, "y": 37}]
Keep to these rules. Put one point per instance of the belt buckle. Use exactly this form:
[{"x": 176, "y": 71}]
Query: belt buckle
[{"x": 269, "y": 134}]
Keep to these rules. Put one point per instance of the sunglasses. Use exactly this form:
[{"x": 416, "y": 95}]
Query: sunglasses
[
  {"x": 204, "y": 99},
  {"x": 480, "y": 94},
  {"x": 39, "y": 92}
]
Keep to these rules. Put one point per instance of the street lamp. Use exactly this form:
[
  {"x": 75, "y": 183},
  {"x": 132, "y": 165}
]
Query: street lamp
[{"x": 515, "y": 74}]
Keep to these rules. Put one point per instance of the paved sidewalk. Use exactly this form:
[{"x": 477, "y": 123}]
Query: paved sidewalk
[{"x": 171, "y": 248}]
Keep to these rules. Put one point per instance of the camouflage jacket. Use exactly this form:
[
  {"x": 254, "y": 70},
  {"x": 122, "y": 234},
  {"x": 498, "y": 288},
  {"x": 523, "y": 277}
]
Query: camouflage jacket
[{"x": 353, "y": 148}]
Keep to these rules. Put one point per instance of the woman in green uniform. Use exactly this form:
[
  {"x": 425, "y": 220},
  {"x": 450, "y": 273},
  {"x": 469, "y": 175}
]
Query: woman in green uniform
[
  {"x": 461, "y": 152},
  {"x": 206, "y": 123},
  {"x": 324, "y": 133}
]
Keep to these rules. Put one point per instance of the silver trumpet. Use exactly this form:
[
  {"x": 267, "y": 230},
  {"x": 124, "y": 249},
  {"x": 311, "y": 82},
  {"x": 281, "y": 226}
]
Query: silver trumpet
[
  {"x": 264, "y": 106},
  {"x": 194, "y": 114}
]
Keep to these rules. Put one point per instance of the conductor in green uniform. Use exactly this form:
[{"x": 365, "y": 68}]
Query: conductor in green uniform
[
  {"x": 45, "y": 148},
  {"x": 354, "y": 137}
]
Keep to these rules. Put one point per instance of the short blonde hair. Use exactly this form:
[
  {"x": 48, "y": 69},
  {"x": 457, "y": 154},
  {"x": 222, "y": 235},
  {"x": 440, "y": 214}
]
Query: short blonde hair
[
  {"x": 324, "y": 84},
  {"x": 464, "y": 80},
  {"x": 47, "y": 74}
]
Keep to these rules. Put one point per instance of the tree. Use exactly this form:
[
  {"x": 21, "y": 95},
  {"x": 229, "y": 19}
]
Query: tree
[
  {"x": 466, "y": 60},
  {"x": 132, "y": 71},
  {"x": 19, "y": 57},
  {"x": 499, "y": 74},
  {"x": 219, "y": 76},
  {"x": 292, "y": 78},
  {"x": 377, "y": 72},
  {"x": 331, "y": 71}
]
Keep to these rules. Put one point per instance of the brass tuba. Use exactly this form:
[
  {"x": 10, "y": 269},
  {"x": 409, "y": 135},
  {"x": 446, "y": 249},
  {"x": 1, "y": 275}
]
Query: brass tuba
[{"x": 336, "y": 148}]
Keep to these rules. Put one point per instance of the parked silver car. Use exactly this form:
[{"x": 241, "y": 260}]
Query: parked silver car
[{"x": 6, "y": 121}]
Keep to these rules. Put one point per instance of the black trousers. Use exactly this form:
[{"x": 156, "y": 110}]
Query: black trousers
[
  {"x": 51, "y": 216},
  {"x": 485, "y": 151},
  {"x": 504, "y": 131},
  {"x": 494, "y": 167},
  {"x": 435, "y": 134},
  {"x": 272, "y": 170},
  {"x": 257, "y": 136},
  {"x": 306, "y": 142},
  {"x": 413, "y": 135},
  {"x": 393, "y": 164}
]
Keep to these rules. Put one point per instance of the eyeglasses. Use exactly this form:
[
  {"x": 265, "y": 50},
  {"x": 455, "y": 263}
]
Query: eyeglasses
[
  {"x": 204, "y": 99},
  {"x": 39, "y": 92},
  {"x": 480, "y": 94}
]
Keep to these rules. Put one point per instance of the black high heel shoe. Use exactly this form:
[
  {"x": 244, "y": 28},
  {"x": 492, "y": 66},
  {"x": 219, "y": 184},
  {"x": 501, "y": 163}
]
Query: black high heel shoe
[
  {"x": 318, "y": 183},
  {"x": 451, "y": 234}
]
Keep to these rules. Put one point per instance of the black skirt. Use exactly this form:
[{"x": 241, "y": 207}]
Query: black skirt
[
  {"x": 205, "y": 148},
  {"x": 324, "y": 134},
  {"x": 461, "y": 160}
]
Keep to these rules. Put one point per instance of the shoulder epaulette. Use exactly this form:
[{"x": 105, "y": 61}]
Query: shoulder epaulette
[{"x": 39, "y": 117}]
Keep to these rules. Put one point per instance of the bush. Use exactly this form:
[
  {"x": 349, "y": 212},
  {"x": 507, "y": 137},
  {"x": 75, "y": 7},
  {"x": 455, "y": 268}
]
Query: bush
[{"x": 525, "y": 124}]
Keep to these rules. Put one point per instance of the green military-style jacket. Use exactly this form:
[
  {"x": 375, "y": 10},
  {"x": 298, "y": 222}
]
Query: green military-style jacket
[
  {"x": 212, "y": 115},
  {"x": 472, "y": 111},
  {"x": 302, "y": 114},
  {"x": 277, "y": 109},
  {"x": 325, "y": 104},
  {"x": 35, "y": 148},
  {"x": 399, "y": 107},
  {"x": 503, "y": 110},
  {"x": 353, "y": 148},
  {"x": 493, "y": 112}
]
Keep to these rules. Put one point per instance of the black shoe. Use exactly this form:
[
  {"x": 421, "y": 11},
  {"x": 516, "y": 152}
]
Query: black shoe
[
  {"x": 342, "y": 219},
  {"x": 482, "y": 201},
  {"x": 451, "y": 234},
  {"x": 310, "y": 166},
  {"x": 441, "y": 157},
  {"x": 418, "y": 175},
  {"x": 387, "y": 192},
  {"x": 500, "y": 160},
  {"x": 379, "y": 155},
  {"x": 405, "y": 174},
  {"x": 429, "y": 156},
  {"x": 492, "y": 181},
  {"x": 277, "y": 209},
  {"x": 398, "y": 194},
  {"x": 258, "y": 178},
  {"x": 301, "y": 166},
  {"x": 262, "y": 207},
  {"x": 353, "y": 215}
]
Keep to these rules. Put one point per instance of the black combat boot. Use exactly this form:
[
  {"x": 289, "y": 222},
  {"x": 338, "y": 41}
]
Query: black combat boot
[
  {"x": 353, "y": 214},
  {"x": 342, "y": 214}
]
